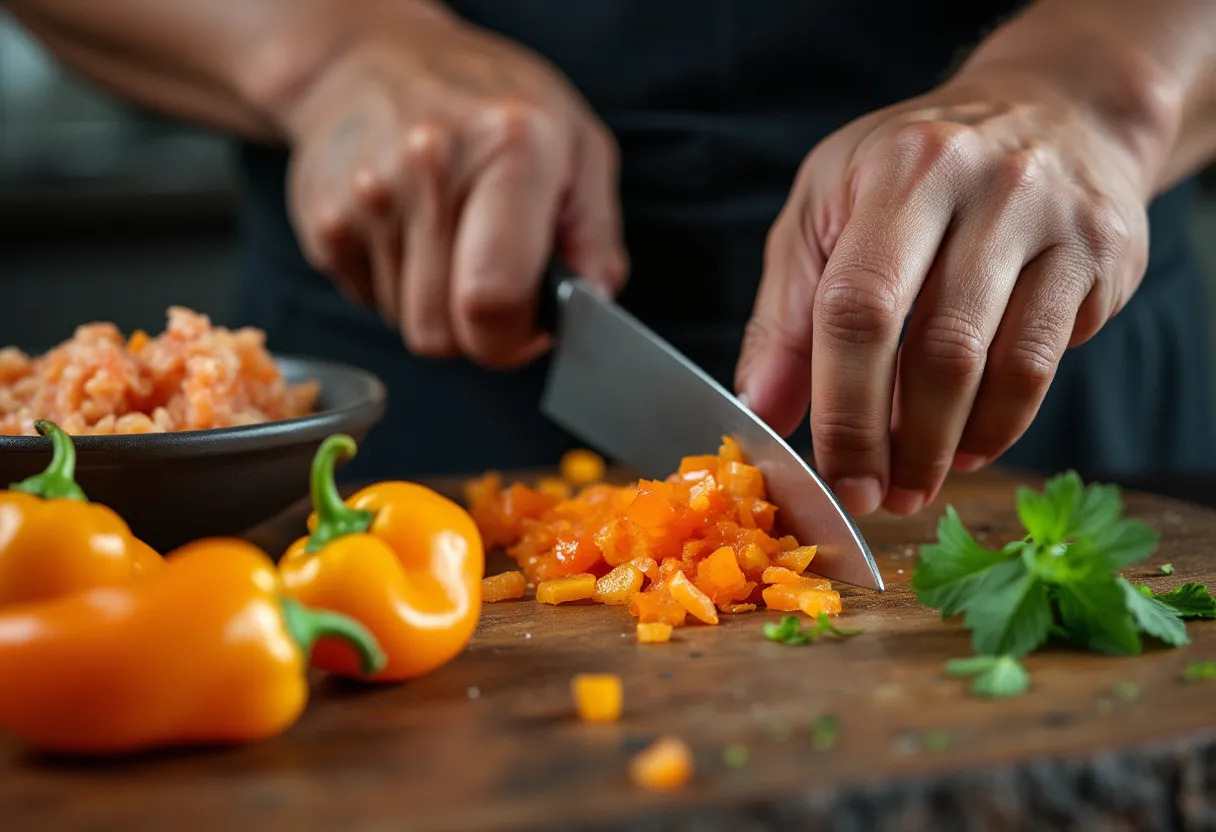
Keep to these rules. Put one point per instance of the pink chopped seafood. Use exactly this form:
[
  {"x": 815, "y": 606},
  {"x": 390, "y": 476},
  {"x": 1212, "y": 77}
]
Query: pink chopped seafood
[{"x": 193, "y": 376}]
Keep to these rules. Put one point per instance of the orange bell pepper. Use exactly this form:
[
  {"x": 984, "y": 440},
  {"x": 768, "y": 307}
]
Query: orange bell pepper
[
  {"x": 55, "y": 542},
  {"x": 404, "y": 560},
  {"x": 205, "y": 650}
]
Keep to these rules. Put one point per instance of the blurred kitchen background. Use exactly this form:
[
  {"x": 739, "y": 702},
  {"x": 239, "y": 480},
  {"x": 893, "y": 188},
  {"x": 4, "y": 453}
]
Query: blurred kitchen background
[{"x": 108, "y": 214}]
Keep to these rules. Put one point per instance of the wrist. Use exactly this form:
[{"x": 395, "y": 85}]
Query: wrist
[
  {"x": 1119, "y": 90},
  {"x": 310, "y": 36}
]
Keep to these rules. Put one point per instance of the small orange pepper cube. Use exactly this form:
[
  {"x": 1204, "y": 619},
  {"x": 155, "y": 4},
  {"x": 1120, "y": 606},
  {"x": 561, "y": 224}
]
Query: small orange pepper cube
[
  {"x": 657, "y": 607},
  {"x": 619, "y": 585},
  {"x": 565, "y": 590},
  {"x": 656, "y": 632},
  {"x": 597, "y": 696},
  {"x": 796, "y": 560},
  {"x": 692, "y": 599},
  {"x": 582, "y": 467},
  {"x": 665, "y": 766},
  {"x": 503, "y": 587}
]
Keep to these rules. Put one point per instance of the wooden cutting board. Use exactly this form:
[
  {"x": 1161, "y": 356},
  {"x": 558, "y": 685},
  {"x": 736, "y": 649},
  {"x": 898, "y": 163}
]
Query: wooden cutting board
[{"x": 490, "y": 741}]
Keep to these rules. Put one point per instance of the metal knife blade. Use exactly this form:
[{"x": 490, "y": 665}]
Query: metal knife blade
[{"x": 624, "y": 390}]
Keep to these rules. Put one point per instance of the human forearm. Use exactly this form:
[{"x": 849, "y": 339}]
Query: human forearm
[
  {"x": 234, "y": 64},
  {"x": 1145, "y": 70}
]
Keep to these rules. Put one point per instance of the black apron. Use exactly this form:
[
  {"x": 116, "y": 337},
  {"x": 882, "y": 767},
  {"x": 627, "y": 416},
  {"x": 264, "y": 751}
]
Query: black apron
[{"x": 715, "y": 103}]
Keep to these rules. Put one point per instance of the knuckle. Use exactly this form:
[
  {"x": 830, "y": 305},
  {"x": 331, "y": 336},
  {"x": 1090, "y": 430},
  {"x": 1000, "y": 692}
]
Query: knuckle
[
  {"x": 372, "y": 190},
  {"x": 323, "y": 229},
  {"x": 1105, "y": 233},
  {"x": 1029, "y": 365},
  {"x": 952, "y": 346},
  {"x": 518, "y": 126},
  {"x": 1018, "y": 172},
  {"x": 425, "y": 147},
  {"x": 857, "y": 306},
  {"x": 938, "y": 146}
]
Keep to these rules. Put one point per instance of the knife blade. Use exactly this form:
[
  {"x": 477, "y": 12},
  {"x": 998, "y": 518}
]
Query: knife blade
[{"x": 628, "y": 393}]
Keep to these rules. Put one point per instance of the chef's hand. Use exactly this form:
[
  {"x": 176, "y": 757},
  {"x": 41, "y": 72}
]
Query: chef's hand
[
  {"x": 435, "y": 167},
  {"x": 1001, "y": 220}
]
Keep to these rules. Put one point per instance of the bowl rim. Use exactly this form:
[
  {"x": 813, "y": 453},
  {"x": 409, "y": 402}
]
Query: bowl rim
[{"x": 359, "y": 413}]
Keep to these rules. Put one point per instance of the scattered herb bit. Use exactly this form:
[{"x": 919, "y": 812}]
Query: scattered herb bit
[
  {"x": 824, "y": 731},
  {"x": 824, "y": 626},
  {"x": 996, "y": 677},
  {"x": 1061, "y": 580},
  {"x": 1191, "y": 600},
  {"x": 777, "y": 731},
  {"x": 734, "y": 756},
  {"x": 1167, "y": 569},
  {"x": 1105, "y": 705},
  {"x": 788, "y": 631},
  {"x": 937, "y": 740},
  {"x": 1200, "y": 671},
  {"x": 1127, "y": 691}
]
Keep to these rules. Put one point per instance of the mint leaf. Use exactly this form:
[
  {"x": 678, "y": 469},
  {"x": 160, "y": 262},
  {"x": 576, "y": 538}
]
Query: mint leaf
[
  {"x": 1200, "y": 671},
  {"x": 996, "y": 677},
  {"x": 950, "y": 569},
  {"x": 1095, "y": 614},
  {"x": 1009, "y": 611},
  {"x": 1124, "y": 543},
  {"x": 1153, "y": 617},
  {"x": 1191, "y": 600},
  {"x": 1167, "y": 569}
]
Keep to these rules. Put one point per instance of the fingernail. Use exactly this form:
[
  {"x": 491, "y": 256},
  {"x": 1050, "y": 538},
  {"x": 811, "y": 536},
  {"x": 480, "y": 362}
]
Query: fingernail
[
  {"x": 967, "y": 463},
  {"x": 744, "y": 399},
  {"x": 860, "y": 495},
  {"x": 905, "y": 501}
]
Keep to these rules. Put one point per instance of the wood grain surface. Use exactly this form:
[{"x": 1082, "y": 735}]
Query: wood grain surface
[{"x": 490, "y": 742}]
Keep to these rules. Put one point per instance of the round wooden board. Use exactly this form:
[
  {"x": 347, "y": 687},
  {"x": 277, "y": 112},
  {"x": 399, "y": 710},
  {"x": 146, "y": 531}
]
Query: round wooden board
[{"x": 490, "y": 741}]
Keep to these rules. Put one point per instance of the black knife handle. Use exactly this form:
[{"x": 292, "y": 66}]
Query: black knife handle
[{"x": 550, "y": 296}]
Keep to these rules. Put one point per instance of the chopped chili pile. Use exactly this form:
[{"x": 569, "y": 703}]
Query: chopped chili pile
[{"x": 697, "y": 544}]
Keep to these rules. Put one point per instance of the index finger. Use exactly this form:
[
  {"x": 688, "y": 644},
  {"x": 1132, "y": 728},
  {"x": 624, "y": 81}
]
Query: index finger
[{"x": 868, "y": 285}]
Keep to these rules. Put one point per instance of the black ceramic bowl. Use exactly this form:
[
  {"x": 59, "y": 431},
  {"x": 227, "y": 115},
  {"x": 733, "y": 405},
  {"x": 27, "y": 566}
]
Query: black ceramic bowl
[{"x": 176, "y": 487}]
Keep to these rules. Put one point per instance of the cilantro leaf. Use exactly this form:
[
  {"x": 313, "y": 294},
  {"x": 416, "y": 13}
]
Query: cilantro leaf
[
  {"x": 1095, "y": 614},
  {"x": 1153, "y": 617},
  {"x": 824, "y": 626},
  {"x": 996, "y": 677},
  {"x": 950, "y": 569},
  {"x": 1191, "y": 600},
  {"x": 1009, "y": 611},
  {"x": 789, "y": 631},
  {"x": 1167, "y": 569}
]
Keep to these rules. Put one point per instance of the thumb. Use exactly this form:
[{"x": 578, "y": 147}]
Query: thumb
[
  {"x": 589, "y": 236},
  {"x": 773, "y": 376}
]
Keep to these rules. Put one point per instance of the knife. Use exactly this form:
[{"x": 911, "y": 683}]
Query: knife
[{"x": 622, "y": 389}]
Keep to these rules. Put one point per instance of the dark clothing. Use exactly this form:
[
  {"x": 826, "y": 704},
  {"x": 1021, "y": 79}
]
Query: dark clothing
[{"x": 715, "y": 103}]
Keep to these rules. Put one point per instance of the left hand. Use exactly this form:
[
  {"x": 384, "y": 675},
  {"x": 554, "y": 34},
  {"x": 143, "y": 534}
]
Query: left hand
[{"x": 1011, "y": 216}]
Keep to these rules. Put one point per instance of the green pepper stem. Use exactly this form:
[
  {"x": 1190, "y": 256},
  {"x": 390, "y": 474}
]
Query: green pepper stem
[
  {"x": 334, "y": 517},
  {"x": 58, "y": 481},
  {"x": 306, "y": 625}
]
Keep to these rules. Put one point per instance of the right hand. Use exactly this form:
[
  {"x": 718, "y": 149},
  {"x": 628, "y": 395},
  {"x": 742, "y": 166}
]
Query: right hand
[{"x": 435, "y": 170}]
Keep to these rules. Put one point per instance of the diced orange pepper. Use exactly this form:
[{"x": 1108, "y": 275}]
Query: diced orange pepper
[
  {"x": 582, "y": 467},
  {"x": 597, "y": 696},
  {"x": 617, "y": 586},
  {"x": 742, "y": 481},
  {"x": 648, "y": 567},
  {"x": 787, "y": 543},
  {"x": 565, "y": 590},
  {"x": 781, "y": 575},
  {"x": 657, "y": 607},
  {"x": 808, "y": 599},
  {"x": 720, "y": 577},
  {"x": 692, "y": 599},
  {"x": 665, "y": 766},
  {"x": 704, "y": 496},
  {"x": 138, "y": 340},
  {"x": 698, "y": 465},
  {"x": 737, "y": 608},
  {"x": 503, "y": 587},
  {"x": 650, "y": 510},
  {"x": 554, "y": 487},
  {"x": 654, "y": 632},
  {"x": 797, "y": 559},
  {"x": 730, "y": 450},
  {"x": 753, "y": 561},
  {"x": 616, "y": 541}
]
